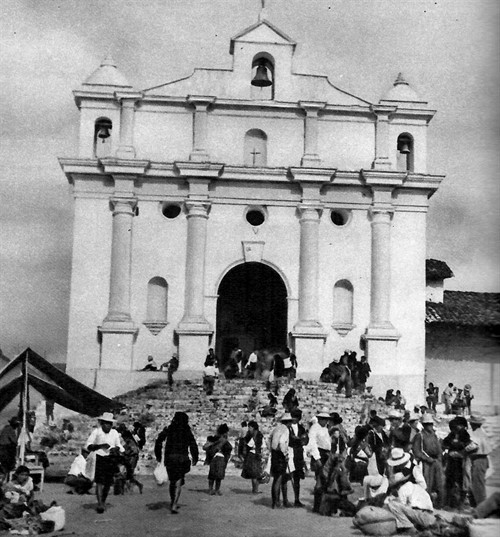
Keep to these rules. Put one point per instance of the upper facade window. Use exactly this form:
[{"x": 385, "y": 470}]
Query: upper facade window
[{"x": 255, "y": 148}]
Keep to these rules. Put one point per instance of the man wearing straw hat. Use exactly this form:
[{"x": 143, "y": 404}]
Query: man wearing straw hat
[
  {"x": 104, "y": 444},
  {"x": 427, "y": 448},
  {"x": 412, "y": 506},
  {"x": 478, "y": 450}
]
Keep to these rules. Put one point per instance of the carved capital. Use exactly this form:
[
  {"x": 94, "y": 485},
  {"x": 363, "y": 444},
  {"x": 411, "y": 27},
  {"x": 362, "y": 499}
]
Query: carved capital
[
  {"x": 198, "y": 209},
  {"x": 121, "y": 205}
]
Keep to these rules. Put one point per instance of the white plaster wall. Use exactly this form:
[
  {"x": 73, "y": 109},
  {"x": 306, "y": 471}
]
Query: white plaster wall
[
  {"x": 346, "y": 145},
  {"x": 339, "y": 246},
  {"x": 434, "y": 291},
  {"x": 227, "y": 135},
  {"x": 159, "y": 249},
  {"x": 162, "y": 134},
  {"x": 454, "y": 355},
  {"x": 89, "y": 280},
  {"x": 408, "y": 239}
]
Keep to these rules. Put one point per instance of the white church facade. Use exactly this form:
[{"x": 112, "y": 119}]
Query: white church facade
[{"x": 251, "y": 207}]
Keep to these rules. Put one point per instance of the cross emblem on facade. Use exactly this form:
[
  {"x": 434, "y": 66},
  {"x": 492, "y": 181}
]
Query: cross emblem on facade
[{"x": 254, "y": 154}]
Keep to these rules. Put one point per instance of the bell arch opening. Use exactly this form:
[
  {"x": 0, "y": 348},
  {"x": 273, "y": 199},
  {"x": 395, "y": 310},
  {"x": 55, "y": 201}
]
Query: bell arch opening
[{"x": 252, "y": 310}]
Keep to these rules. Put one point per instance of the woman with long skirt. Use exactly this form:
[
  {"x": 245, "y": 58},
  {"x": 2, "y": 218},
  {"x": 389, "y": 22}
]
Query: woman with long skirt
[
  {"x": 179, "y": 440},
  {"x": 252, "y": 465}
]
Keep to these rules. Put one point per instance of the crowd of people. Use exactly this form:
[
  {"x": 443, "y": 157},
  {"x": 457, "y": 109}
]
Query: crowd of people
[{"x": 402, "y": 465}]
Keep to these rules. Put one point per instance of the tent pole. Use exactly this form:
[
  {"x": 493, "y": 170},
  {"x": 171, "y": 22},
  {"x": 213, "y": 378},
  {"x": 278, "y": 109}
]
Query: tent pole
[{"x": 23, "y": 434}]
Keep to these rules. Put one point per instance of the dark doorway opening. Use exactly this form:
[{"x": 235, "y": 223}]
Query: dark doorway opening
[{"x": 252, "y": 310}]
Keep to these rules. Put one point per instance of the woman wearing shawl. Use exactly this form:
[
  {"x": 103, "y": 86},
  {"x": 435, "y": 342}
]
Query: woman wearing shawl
[
  {"x": 179, "y": 440},
  {"x": 218, "y": 451}
]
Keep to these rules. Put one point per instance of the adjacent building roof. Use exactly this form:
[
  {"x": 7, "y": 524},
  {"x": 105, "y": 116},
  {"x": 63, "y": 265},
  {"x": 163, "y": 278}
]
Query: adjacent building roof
[
  {"x": 462, "y": 308},
  {"x": 436, "y": 270}
]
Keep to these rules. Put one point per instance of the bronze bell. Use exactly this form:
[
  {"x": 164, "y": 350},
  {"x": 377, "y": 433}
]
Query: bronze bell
[
  {"x": 103, "y": 132},
  {"x": 404, "y": 148},
  {"x": 261, "y": 79}
]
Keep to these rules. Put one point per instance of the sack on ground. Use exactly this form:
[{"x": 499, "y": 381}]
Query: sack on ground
[
  {"x": 375, "y": 521},
  {"x": 57, "y": 515},
  {"x": 160, "y": 474}
]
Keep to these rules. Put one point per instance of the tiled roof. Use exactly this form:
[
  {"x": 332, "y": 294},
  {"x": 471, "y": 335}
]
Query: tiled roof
[
  {"x": 437, "y": 270},
  {"x": 465, "y": 309}
]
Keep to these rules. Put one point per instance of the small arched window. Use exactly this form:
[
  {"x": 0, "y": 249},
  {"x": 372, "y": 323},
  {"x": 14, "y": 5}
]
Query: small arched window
[
  {"x": 343, "y": 293},
  {"x": 405, "y": 153},
  {"x": 262, "y": 80},
  {"x": 255, "y": 148},
  {"x": 103, "y": 128},
  {"x": 157, "y": 299}
]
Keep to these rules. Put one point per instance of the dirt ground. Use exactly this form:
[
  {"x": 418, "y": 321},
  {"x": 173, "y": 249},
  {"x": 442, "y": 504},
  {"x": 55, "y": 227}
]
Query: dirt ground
[{"x": 236, "y": 513}]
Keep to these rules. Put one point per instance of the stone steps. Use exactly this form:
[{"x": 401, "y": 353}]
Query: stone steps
[{"x": 207, "y": 412}]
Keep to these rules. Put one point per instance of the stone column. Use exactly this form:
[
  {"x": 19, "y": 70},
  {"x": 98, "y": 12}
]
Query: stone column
[
  {"x": 118, "y": 330},
  {"x": 194, "y": 317},
  {"x": 381, "y": 268},
  {"x": 119, "y": 289},
  {"x": 194, "y": 330},
  {"x": 126, "y": 148},
  {"x": 382, "y": 150},
  {"x": 200, "y": 128},
  {"x": 310, "y": 157},
  {"x": 308, "y": 270}
]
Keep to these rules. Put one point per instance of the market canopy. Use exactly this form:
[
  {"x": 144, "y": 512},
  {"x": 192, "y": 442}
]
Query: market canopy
[{"x": 30, "y": 369}]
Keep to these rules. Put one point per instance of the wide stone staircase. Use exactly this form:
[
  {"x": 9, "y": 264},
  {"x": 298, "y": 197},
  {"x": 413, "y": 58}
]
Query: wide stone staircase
[{"x": 155, "y": 404}]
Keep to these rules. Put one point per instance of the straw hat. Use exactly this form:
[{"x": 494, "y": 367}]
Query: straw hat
[
  {"x": 286, "y": 417},
  {"x": 323, "y": 414},
  {"x": 107, "y": 416},
  {"x": 427, "y": 418},
  {"x": 414, "y": 417},
  {"x": 476, "y": 418},
  {"x": 398, "y": 457},
  {"x": 395, "y": 414}
]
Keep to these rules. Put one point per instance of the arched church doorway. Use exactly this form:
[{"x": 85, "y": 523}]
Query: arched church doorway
[{"x": 251, "y": 310}]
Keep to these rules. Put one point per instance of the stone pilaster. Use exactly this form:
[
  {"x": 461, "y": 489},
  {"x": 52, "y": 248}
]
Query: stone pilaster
[
  {"x": 310, "y": 157},
  {"x": 128, "y": 101},
  {"x": 382, "y": 160},
  {"x": 200, "y": 127}
]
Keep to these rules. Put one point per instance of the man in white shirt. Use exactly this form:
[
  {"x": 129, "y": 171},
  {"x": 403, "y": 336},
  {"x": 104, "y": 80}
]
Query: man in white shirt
[
  {"x": 479, "y": 449},
  {"x": 105, "y": 443},
  {"x": 412, "y": 506},
  {"x": 210, "y": 373},
  {"x": 77, "y": 479},
  {"x": 319, "y": 447},
  {"x": 251, "y": 365}
]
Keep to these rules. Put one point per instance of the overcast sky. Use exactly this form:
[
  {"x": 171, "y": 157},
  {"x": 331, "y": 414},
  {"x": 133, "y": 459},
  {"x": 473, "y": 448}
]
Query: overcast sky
[{"x": 448, "y": 50}]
